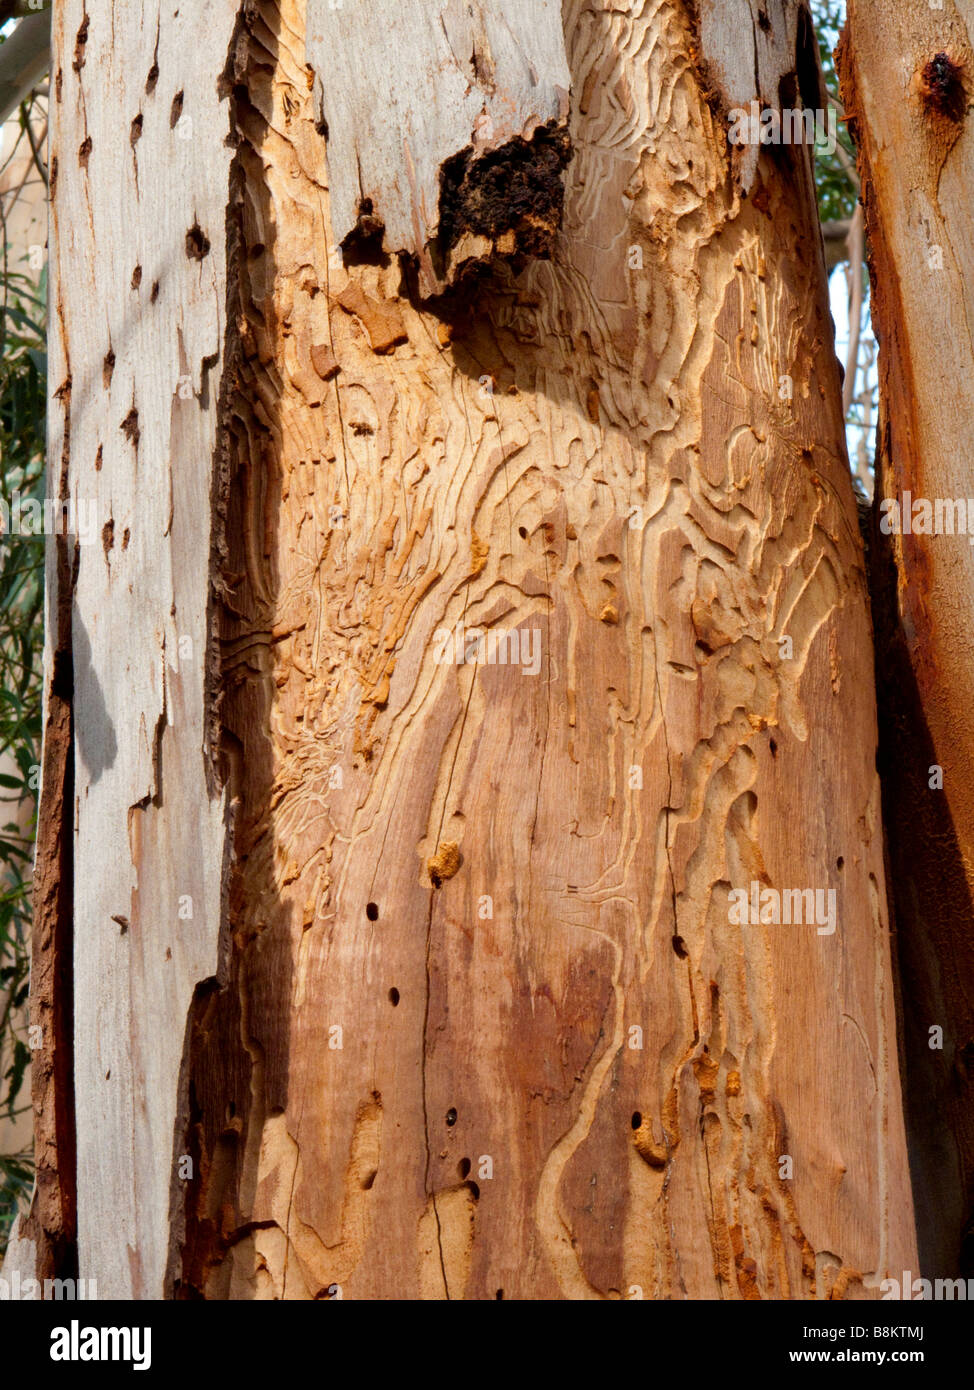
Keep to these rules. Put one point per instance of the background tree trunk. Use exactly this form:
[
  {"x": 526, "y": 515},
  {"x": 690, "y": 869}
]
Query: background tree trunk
[
  {"x": 916, "y": 155},
  {"x": 479, "y": 1023}
]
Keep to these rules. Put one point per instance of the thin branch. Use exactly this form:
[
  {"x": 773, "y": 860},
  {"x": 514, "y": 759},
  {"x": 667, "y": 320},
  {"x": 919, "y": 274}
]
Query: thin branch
[
  {"x": 856, "y": 256},
  {"x": 836, "y": 238},
  {"x": 25, "y": 116},
  {"x": 845, "y": 159}
]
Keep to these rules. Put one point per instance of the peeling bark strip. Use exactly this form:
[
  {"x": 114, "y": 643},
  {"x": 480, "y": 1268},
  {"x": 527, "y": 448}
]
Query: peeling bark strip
[
  {"x": 908, "y": 87},
  {"x": 488, "y": 1028},
  {"x": 53, "y": 1217},
  {"x": 138, "y": 281},
  {"x": 447, "y": 126}
]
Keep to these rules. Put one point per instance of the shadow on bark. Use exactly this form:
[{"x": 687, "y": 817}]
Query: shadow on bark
[
  {"x": 933, "y": 946},
  {"x": 237, "y": 1040}
]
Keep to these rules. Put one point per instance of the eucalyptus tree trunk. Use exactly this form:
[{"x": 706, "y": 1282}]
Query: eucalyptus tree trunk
[
  {"x": 474, "y": 652},
  {"x": 911, "y": 118}
]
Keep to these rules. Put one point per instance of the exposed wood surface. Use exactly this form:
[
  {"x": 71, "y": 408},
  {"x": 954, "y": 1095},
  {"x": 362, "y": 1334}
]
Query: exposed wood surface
[
  {"x": 407, "y": 86},
  {"x": 601, "y": 452},
  {"x": 138, "y": 278},
  {"x": 53, "y": 1215},
  {"x": 908, "y": 85},
  {"x": 759, "y": 50}
]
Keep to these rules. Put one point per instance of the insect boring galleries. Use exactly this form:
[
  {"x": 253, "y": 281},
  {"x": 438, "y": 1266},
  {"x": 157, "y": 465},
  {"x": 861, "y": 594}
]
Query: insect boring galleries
[
  {"x": 498, "y": 646},
  {"x": 762, "y": 906}
]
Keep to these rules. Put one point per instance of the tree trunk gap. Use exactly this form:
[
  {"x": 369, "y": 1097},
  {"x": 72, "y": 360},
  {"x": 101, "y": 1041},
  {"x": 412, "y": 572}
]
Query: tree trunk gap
[{"x": 467, "y": 626}]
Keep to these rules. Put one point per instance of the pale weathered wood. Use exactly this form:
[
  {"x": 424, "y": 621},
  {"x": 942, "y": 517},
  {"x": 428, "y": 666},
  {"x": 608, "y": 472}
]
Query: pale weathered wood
[
  {"x": 907, "y": 86},
  {"x": 406, "y": 86},
  {"x": 20, "y": 1258},
  {"x": 758, "y": 50},
  {"x": 482, "y": 914},
  {"x": 139, "y": 175}
]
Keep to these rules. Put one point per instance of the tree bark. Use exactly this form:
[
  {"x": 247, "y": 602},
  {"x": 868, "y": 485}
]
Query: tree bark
[
  {"x": 466, "y": 176},
  {"x": 131, "y": 830},
  {"x": 473, "y": 1017},
  {"x": 911, "y": 120}
]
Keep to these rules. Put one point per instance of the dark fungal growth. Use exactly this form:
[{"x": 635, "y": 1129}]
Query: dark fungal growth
[
  {"x": 512, "y": 197},
  {"x": 942, "y": 87}
]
